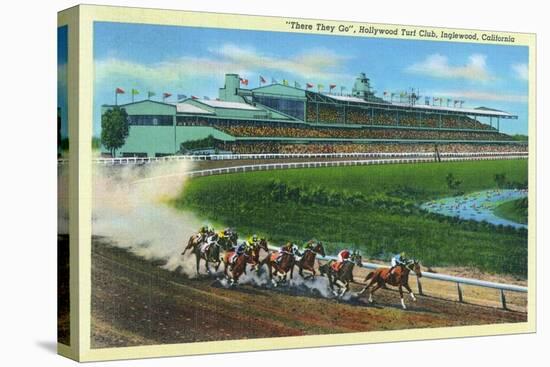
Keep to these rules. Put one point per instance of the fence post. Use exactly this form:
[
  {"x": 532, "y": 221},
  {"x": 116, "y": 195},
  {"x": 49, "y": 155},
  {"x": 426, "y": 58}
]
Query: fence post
[
  {"x": 503, "y": 299},
  {"x": 419, "y": 286},
  {"x": 460, "y": 295}
]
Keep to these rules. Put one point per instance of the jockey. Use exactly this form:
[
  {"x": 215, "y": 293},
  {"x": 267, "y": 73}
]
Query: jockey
[
  {"x": 397, "y": 260},
  {"x": 252, "y": 242},
  {"x": 239, "y": 250},
  {"x": 202, "y": 233},
  {"x": 343, "y": 256},
  {"x": 289, "y": 248},
  {"x": 210, "y": 239}
]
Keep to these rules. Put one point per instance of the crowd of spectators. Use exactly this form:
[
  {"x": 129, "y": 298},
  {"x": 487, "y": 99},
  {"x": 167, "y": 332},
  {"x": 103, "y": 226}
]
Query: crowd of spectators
[
  {"x": 356, "y": 115},
  {"x": 276, "y": 147},
  {"x": 295, "y": 131}
]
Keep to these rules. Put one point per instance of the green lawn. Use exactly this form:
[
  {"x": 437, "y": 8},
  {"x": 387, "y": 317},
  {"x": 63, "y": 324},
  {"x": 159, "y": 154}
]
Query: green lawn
[
  {"x": 372, "y": 208},
  {"x": 515, "y": 210}
]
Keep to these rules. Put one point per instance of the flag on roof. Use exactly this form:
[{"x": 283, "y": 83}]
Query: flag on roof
[
  {"x": 385, "y": 93},
  {"x": 119, "y": 91},
  {"x": 285, "y": 82},
  {"x": 194, "y": 97},
  {"x": 135, "y": 91},
  {"x": 332, "y": 86},
  {"x": 244, "y": 81},
  {"x": 150, "y": 94},
  {"x": 166, "y": 95},
  {"x": 320, "y": 86},
  {"x": 309, "y": 85},
  {"x": 262, "y": 80}
]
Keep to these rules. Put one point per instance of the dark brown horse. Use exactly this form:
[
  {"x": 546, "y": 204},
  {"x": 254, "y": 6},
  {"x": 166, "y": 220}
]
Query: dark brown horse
[
  {"x": 307, "y": 261},
  {"x": 236, "y": 267},
  {"x": 255, "y": 250},
  {"x": 208, "y": 253},
  {"x": 282, "y": 267},
  {"x": 344, "y": 276},
  {"x": 400, "y": 278}
]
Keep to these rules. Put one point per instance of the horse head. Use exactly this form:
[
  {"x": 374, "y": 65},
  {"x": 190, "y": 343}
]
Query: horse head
[
  {"x": 320, "y": 249},
  {"x": 357, "y": 258},
  {"x": 414, "y": 266},
  {"x": 263, "y": 244}
]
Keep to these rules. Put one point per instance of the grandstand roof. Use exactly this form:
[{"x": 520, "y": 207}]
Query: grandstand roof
[
  {"x": 474, "y": 111},
  {"x": 224, "y": 104},
  {"x": 479, "y": 111},
  {"x": 189, "y": 108}
]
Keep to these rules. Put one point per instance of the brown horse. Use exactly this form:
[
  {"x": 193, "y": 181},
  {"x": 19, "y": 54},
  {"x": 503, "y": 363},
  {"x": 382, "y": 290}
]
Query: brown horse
[
  {"x": 307, "y": 261},
  {"x": 236, "y": 268},
  {"x": 344, "y": 276},
  {"x": 399, "y": 278},
  {"x": 254, "y": 257},
  {"x": 282, "y": 267}
]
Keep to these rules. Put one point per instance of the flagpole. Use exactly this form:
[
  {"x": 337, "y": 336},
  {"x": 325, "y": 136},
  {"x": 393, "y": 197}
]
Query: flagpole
[{"x": 116, "y": 98}]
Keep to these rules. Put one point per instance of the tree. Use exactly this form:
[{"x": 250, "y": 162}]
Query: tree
[
  {"x": 452, "y": 182},
  {"x": 114, "y": 129}
]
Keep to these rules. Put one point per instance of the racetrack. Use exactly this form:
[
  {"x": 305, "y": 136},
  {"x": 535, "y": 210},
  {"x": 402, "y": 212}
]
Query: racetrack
[{"x": 136, "y": 302}]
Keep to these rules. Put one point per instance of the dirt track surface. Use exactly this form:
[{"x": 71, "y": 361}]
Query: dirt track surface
[{"x": 135, "y": 302}]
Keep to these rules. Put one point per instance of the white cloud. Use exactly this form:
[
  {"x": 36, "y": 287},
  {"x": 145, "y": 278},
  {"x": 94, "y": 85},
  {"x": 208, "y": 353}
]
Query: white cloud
[
  {"x": 521, "y": 70},
  {"x": 470, "y": 95},
  {"x": 438, "y": 66},
  {"x": 315, "y": 65}
]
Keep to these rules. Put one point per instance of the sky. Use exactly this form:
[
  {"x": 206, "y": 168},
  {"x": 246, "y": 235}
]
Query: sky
[
  {"x": 62, "y": 54},
  {"x": 193, "y": 61}
]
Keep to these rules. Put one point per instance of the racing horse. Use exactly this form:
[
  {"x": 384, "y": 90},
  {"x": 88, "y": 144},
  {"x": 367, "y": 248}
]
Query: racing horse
[
  {"x": 235, "y": 266},
  {"x": 210, "y": 253},
  {"x": 343, "y": 277},
  {"x": 307, "y": 261},
  {"x": 254, "y": 257},
  {"x": 282, "y": 267},
  {"x": 400, "y": 278}
]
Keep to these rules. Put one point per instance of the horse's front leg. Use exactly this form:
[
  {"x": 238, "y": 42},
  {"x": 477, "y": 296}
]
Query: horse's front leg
[
  {"x": 198, "y": 258},
  {"x": 406, "y": 285},
  {"x": 401, "y": 295}
]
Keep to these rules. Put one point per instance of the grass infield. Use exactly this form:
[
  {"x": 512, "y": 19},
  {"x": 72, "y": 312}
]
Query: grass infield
[{"x": 371, "y": 208}]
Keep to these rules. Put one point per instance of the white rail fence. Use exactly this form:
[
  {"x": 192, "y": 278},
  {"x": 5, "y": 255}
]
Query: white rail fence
[
  {"x": 458, "y": 280},
  {"x": 228, "y": 157}
]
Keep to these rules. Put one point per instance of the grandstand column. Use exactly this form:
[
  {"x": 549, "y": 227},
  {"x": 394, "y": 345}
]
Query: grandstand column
[
  {"x": 440, "y": 121},
  {"x": 397, "y": 118},
  {"x": 345, "y": 112},
  {"x": 317, "y": 109},
  {"x": 498, "y": 123}
]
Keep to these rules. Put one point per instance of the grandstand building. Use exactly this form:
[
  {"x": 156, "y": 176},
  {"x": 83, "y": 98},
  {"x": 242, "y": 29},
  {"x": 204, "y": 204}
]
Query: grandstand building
[{"x": 280, "y": 118}]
